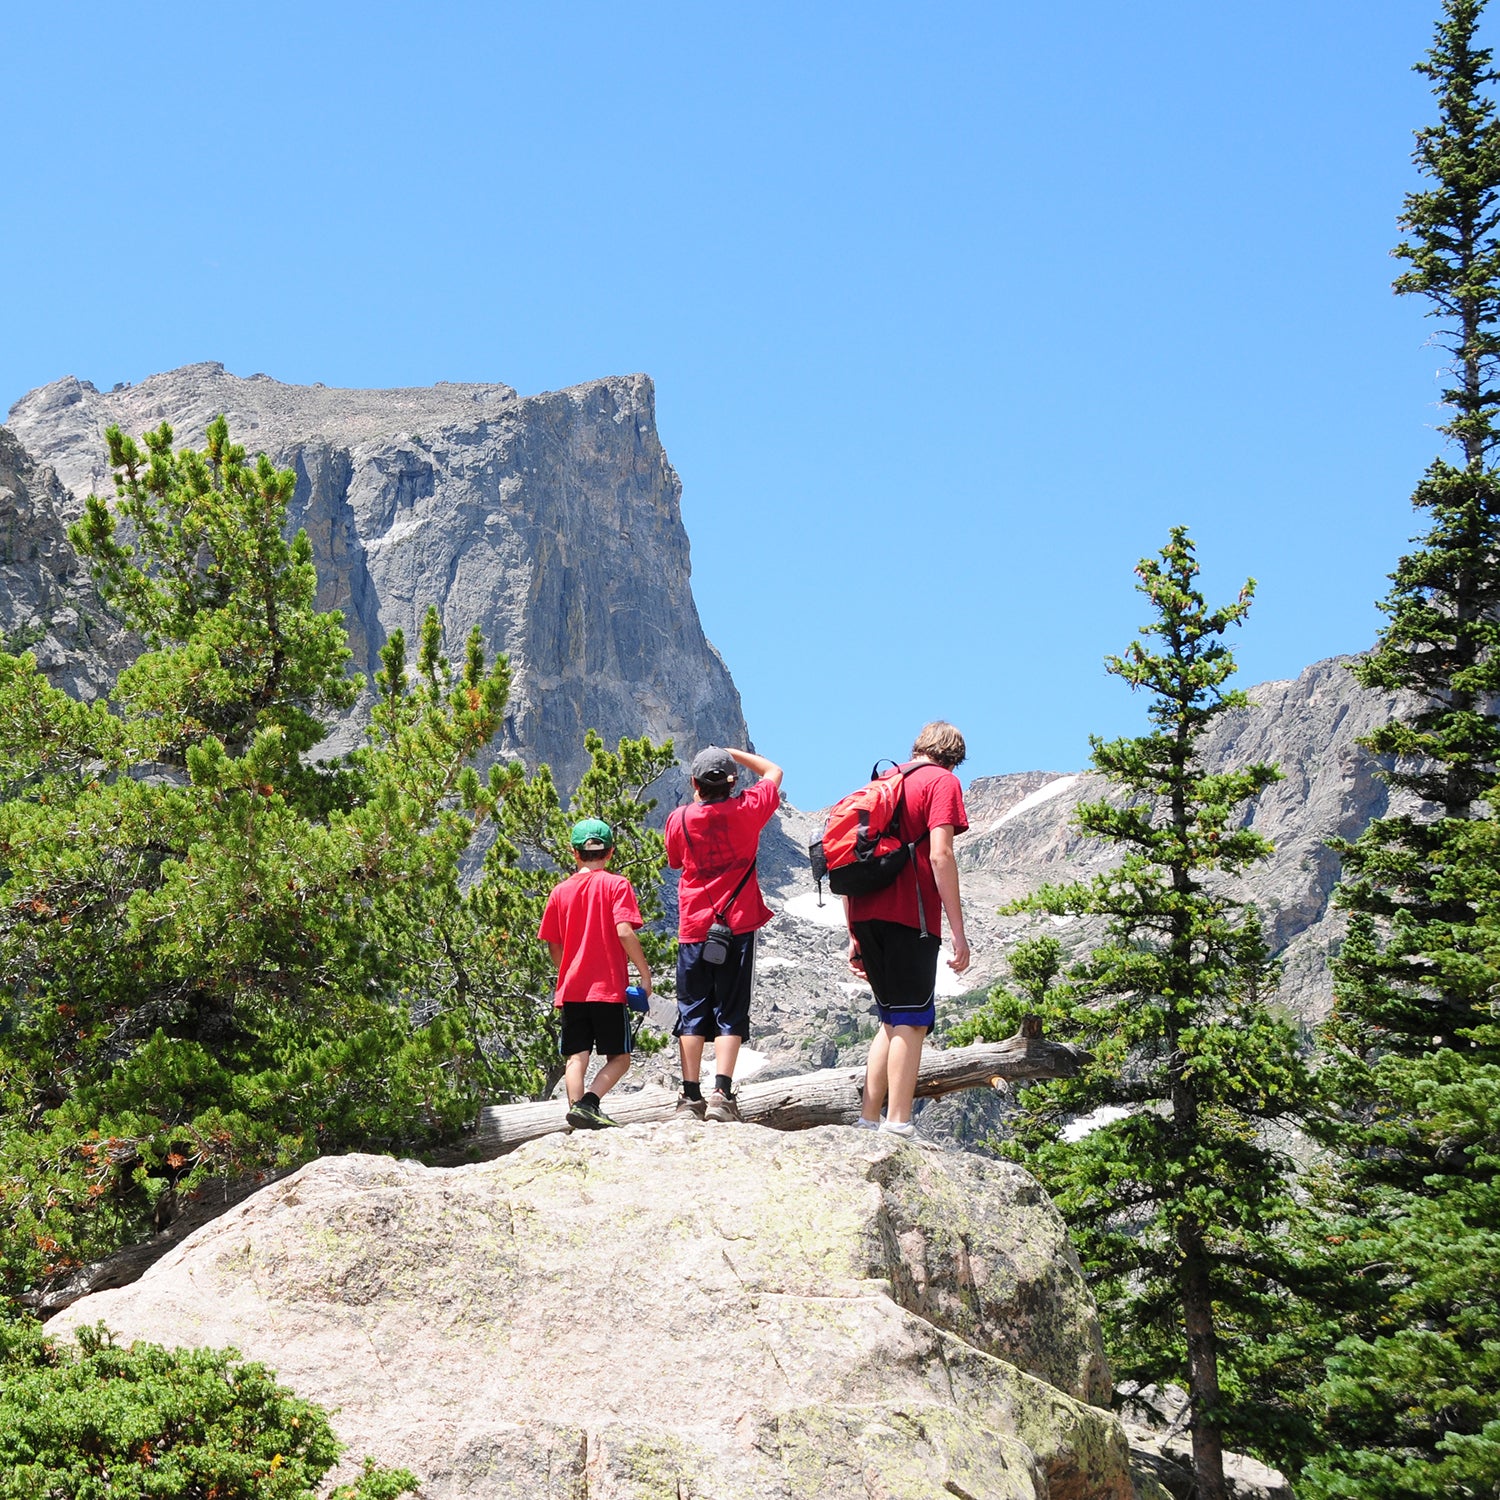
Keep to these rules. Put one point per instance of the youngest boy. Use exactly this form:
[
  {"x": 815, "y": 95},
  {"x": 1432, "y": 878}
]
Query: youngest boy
[{"x": 589, "y": 927}]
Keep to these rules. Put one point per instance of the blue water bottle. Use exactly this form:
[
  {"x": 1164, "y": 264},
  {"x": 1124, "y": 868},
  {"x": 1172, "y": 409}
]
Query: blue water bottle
[{"x": 637, "y": 999}]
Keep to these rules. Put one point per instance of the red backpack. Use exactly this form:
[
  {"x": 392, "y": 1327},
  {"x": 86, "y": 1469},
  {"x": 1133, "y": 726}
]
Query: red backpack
[{"x": 861, "y": 849}]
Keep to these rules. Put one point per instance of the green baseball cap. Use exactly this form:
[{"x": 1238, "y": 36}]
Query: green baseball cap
[{"x": 592, "y": 831}]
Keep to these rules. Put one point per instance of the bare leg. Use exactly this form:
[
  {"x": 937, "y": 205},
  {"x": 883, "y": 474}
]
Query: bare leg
[
  {"x": 905, "y": 1050},
  {"x": 690, "y": 1051},
  {"x": 726, "y": 1053},
  {"x": 611, "y": 1073},
  {"x": 875, "y": 1076},
  {"x": 576, "y": 1071}
]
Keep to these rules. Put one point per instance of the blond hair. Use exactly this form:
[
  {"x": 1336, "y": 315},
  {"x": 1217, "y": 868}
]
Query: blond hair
[{"x": 939, "y": 741}]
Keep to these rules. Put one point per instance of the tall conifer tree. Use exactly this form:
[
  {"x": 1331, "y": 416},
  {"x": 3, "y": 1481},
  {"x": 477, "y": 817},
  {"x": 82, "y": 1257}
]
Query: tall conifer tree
[
  {"x": 1440, "y": 643},
  {"x": 1412, "y": 1398},
  {"x": 1176, "y": 1202}
]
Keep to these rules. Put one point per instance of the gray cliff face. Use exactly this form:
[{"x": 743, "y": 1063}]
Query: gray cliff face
[
  {"x": 47, "y": 605},
  {"x": 553, "y": 522}
]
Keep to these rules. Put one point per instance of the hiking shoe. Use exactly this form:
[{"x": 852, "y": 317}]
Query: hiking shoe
[
  {"x": 863, "y": 1124},
  {"x": 696, "y": 1108},
  {"x": 583, "y": 1116},
  {"x": 898, "y": 1127},
  {"x": 722, "y": 1107}
]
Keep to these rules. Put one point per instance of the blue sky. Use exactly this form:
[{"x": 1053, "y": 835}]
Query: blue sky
[{"x": 952, "y": 309}]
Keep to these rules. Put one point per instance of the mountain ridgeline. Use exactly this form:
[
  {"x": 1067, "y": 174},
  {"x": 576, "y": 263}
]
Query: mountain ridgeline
[{"x": 554, "y": 523}]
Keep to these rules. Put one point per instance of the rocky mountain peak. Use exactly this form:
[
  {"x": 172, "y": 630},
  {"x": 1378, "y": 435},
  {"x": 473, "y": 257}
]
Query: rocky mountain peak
[{"x": 552, "y": 521}]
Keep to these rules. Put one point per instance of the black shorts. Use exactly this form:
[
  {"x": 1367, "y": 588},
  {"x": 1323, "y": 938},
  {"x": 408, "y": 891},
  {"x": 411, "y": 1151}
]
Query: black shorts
[
  {"x": 596, "y": 1026},
  {"x": 714, "y": 999},
  {"x": 902, "y": 968}
]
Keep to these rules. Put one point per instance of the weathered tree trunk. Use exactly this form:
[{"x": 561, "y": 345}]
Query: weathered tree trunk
[
  {"x": 1203, "y": 1368},
  {"x": 830, "y": 1097}
]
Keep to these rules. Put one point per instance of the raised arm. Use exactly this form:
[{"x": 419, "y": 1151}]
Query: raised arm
[{"x": 767, "y": 770}]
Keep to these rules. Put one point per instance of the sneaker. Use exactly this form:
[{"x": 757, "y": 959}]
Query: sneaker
[
  {"x": 863, "y": 1124},
  {"x": 583, "y": 1116},
  {"x": 898, "y": 1127},
  {"x": 696, "y": 1108},
  {"x": 722, "y": 1107}
]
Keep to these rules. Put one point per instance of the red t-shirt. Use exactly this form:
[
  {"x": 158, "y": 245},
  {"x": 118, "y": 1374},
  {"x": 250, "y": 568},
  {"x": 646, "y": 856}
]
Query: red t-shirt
[
  {"x": 583, "y": 914},
  {"x": 933, "y": 797},
  {"x": 712, "y": 843}
]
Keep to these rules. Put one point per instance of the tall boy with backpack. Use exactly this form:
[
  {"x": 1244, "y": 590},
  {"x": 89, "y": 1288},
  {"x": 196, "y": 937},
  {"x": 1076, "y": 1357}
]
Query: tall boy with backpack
[
  {"x": 888, "y": 850},
  {"x": 714, "y": 841}
]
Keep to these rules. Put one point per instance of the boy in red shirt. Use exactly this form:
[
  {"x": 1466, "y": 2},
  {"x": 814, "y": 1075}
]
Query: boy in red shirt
[
  {"x": 895, "y": 933},
  {"x": 590, "y": 926},
  {"x": 714, "y": 841}
]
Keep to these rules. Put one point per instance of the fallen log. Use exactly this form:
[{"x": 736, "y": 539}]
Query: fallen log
[{"x": 829, "y": 1097}]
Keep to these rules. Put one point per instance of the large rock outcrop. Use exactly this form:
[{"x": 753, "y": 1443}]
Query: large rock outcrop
[
  {"x": 551, "y": 521},
  {"x": 723, "y": 1312}
]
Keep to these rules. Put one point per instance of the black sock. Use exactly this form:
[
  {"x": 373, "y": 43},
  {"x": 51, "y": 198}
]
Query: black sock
[
  {"x": 590, "y": 1100},
  {"x": 724, "y": 1083},
  {"x": 693, "y": 1090}
]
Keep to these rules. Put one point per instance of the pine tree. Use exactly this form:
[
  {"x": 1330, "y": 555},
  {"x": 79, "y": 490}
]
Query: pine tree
[
  {"x": 1176, "y": 1199},
  {"x": 223, "y": 601},
  {"x": 1411, "y": 1401},
  {"x": 216, "y": 955},
  {"x": 1440, "y": 642}
]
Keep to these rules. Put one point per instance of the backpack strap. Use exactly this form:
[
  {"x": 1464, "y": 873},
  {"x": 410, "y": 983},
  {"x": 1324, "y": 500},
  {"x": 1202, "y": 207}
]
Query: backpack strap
[
  {"x": 921, "y": 905},
  {"x": 734, "y": 895},
  {"x": 901, "y": 807},
  {"x": 911, "y": 848},
  {"x": 900, "y": 791}
]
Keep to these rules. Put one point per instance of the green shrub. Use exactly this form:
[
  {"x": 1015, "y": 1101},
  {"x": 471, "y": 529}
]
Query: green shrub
[{"x": 101, "y": 1421}]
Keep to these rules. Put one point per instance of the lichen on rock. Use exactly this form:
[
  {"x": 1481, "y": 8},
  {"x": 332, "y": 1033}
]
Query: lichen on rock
[{"x": 666, "y": 1310}]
